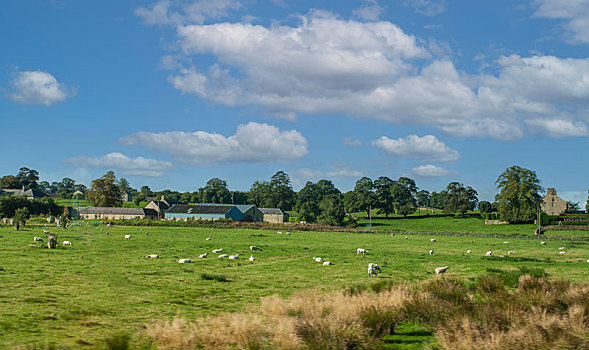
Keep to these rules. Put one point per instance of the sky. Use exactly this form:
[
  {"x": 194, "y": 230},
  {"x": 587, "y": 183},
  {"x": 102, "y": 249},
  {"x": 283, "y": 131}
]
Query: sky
[{"x": 171, "y": 93}]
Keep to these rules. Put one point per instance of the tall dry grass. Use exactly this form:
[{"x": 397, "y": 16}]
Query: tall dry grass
[{"x": 489, "y": 314}]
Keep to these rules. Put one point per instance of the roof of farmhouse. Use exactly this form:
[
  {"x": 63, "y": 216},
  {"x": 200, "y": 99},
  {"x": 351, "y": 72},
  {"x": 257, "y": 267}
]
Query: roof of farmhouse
[
  {"x": 199, "y": 209},
  {"x": 275, "y": 211},
  {"x": 109, "y": 210}
]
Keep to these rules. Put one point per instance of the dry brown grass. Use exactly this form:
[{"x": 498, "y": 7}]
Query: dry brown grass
[{"x": 539, "y": 314}]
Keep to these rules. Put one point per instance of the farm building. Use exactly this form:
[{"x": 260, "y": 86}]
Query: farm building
[
  {"x": 107, "y": 213},
  {"x": 160, "y": 205},
  {"x": 204, "y": 211},
  {"x": 29, "y": 194},
  {"x": 552, "y": 204},
  {"x": 251, "y": 213},
  {"x": 274, "y": 215}
]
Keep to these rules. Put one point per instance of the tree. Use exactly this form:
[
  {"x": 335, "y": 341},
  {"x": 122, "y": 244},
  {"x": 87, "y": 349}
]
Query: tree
[
  {"x": 403, "y": 191},
  {"x": 281, "y": 193},
  {"x": 365, "y": 196},
  {"x": 384, "y": 197},
  {"x": 260, "y": 194},
  {"x": 105, "y": 192},
  {"x": 215, "y": 191},
  {"x": 519, "y": 196},
  {"x": 28, "y": 177},
  {"x": 573, "y": 206},
  {"x": 423, "y": 200},
  {"x": 332, "y": 210},
  {"x": 124, "y": 185},
  {"x": 485, "y": 207},
  {"x": 439, "y": 200},
  {"x": 309, "y": 211},
  {"x": 460, "y": 199},
  {"x": 21, "y": 215},
  {"x": 9, "y": 182}
]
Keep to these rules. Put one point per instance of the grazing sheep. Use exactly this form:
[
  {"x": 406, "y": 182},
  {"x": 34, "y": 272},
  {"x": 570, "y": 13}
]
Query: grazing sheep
[
  {"x": 506, "y": 242},
  {"x": 432, "y": 240},
  {"x": 563, "y": 252},
  {"x": 146, "y": 233},
  {"x": 588, "y": 260},
  {"x": 500, "y": 255},
  {"x": 317, "y": 259},
  {"x": 373, "y": 269},
  {"x": 253, "y": 247},
  {"x": 431, "y": 252},
  {"x": 489, "y": 253},
  {"x": 441, "y": 270},
  {"x": 234, "y": 257},
  {"x": 327, "y": 263},
  {"x": 406, "y": 237},
  {"x": 511, "y": 252},
  {"x": 279, "y": 232},
  {"x": 107, "y": 233},
  {"x": 223, "y": 256},
  {"x": 127, "y": 236},
  {"x": 208, "y": 238},
  {"x": 217, "y": 250},
  {"x": 361, "y": 250},
  {"x": 288, "y": 233},
  {"x": 45, "y": 231},
  {"x": 203, "y": 255},
  {"x": 542, "y": 243},
  {"x": 152, "y": 256},
  {"x": 468, "y": 251},
  {"x": 561, "y": 248},
  {"x": 67, "y": 243},
  {"x": 38, "y": 239},
  {"x": 52, "y": 242},
  {"x": 184, "y": 261},
  {"x": 252, "y": 258}
]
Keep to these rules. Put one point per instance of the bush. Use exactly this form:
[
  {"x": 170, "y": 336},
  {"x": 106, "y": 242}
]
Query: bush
[{"x": 213, "y": 277}]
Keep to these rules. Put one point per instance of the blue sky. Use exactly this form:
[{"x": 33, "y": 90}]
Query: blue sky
[{"x": 171, "y": 93}]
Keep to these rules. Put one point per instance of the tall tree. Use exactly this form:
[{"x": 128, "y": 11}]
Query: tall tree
[
  {"x": 215, "y": 191},
  {"x": 439, "y": 200},
  {"x": 403, "y": 192},
  {"x": 365, "y": 197},
  {"x": 105, "y": 192},
  {"x": 384, "y": 197},
  {"x": 282, "y": 194},
  {"x": 260, "y": 194},
  {"x": 423, "y": 198},
  {"x": 485, "y": 207},
  {"x": 9, "y": 182},
  {"x": 28, "y": 178},
  {"x": 519, "y": 195},
  {"x": 332, "y": 210},
  {"x": 460, "y": 199}
]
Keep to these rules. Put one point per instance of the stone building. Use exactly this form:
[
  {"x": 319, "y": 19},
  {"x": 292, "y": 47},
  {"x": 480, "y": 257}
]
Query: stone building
[
  {"x": 552, "y": 204},
  {"x": 274, "y": 215},
  {"x": 107, "y": 213}
]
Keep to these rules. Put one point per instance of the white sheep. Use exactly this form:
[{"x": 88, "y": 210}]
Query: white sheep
[
  {"x": 511, "y": 252},
  {"x": 432, "y": 240},
  {"x": 542, "y": 243},
  {"x": 373, "y": 269},
  {"x": 431, "y": 252},
  {"x": 152, "y": 256},
  {"x": 468, "y": 251},
  {"x": 208, "y": 238},
  {"x": 489, "y": 253},
  {"x": 563, "y": 252},
  {"x": 441, "y": 270},
  {"x": 184, "y": 261},
  {"x": 406, "y": 237},
  {"x": 146, "y": 233},
  {"x": 361, "y": 250},
  {"x": 561, "y": 248},
  {"x": 67, "y": 243},
  {"x": 253, "y": 247},
  {"x": 317, "y": 259},
  {"x": 279, "y": 232},
  {"x": 506, "y": 242},
  {"x": 203, "y": 255},
  {"x": 45, "y": 231},
  {"x": 234, "y": 257},
  {"x": 252, "y": 258},
  {"x": 127, "y": 236},
  {"x": 218, "y": 250},
  {"x": 223, "y": 256},
  {"x": 327, "y": 263},
  {"x": 37, "y": 239},
  {"x": 288, "y": 233}
]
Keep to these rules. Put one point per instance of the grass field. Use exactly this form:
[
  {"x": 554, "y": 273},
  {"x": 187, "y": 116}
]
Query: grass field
[{"x": 76, "y": 296}]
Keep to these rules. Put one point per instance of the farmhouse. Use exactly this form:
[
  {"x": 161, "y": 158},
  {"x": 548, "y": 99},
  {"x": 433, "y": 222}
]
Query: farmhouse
[
  {"x": 274, "y": 215},
  {"x": 552, "y": 204},
  {"x": 106, "y": 213},
  {"x": 204, "y": 211},
  {"x": 161, "y": 205}
]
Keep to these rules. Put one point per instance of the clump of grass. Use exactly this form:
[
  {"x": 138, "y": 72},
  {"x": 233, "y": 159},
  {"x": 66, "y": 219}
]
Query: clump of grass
[
  {"x": 213, "y": 277},
  {"x": 118, "y": 341}
]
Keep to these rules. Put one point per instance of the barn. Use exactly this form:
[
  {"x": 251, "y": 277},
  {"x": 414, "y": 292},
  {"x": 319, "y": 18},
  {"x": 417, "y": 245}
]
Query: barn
[
  {"x": 251, "y": 213},
  {"x": 274, "y": 215},
  {"x": 204, "y": 211},
  {"x": 108, "y": 213}
]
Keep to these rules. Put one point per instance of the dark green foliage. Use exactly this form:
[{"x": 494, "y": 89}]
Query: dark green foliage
[
  {"x": 213, "y": 277},
  {"x": 105, "y": 192},
  {"x": 215, "y": 192},
  {"x": 510, "y": 278},
  {"x": 332, "y": 210},
  {"x": 36, "y": 206},
  {"x": 519, "y": 196},
  {"x": 381, "y": 286},
  {"x": 460, "y": 199},
  {"x": 21, "y": 215},
  {"x": 380, "y": 322},
  {"x": 485, "y": 207},
  {"x": 118, "y": 341}
]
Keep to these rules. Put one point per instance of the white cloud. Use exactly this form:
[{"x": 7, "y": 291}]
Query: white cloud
[
  {"x": 574, "y": 13},
  {"x": 371, "y": 11},
  {"x": 341, "y": 171},
  {"x": 176, "y": 12},
  {"x": 430, "y": 170},
  {"x": 558, "y": 128},
  {"x": 253, "y": 142},
  {"x": 352, "y": 142},
  {"x": 427, "y": 148},
  {"x": 37, "y": 87},
  {"x": 426, "y": 7},
  {"x": 127, "y": 166}
]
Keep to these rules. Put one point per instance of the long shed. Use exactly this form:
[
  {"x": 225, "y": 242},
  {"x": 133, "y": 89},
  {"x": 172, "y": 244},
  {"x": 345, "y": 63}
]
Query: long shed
[{"x": 204, "y": 211}]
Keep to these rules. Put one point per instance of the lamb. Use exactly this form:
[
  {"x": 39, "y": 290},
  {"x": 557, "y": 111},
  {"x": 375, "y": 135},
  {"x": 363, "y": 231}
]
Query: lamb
[
  {"x": 511, "y": 252},
  {"x": 288, "y": 233},
  {"x": 361, "y": 250},
  {"x": 67, "y": 243},
  {"x": 127, "y": 236},
  {"x": 431, "y": 252},
  {"x": 152, "y": 256},
  {"x": 234, "y": 257},
  {"x": 317, "y": 259},
  {"x": 223, "y": 256},
  {"x": 253, "y": 247},
  {"x": 279, "y": 232},
  {"x": 542, "y": 243},
  {"x": 468, "y": 251},
  {"x": 252, "y": 258},
  {"x": 563, "y": 252},
  {"x": 441, "y": 270},
  {"x": 184, "y": 261},
  {"x": 561, "y": 248},
  {"x": 203, "y": 255},
  {"x": 38, "y": 239},
  {"x": 489, "y": 253},
  {"x": 327, "y": 263},
  {"x": 146, "y": 233},
  {"x": 373, "y": 269},
  {"x": 432, "y": 240},
  {"x": 506, "y": 242},
  {"x": 406, "y": 237},
  {"x": 208, "y": 238},
  {"x": 218, "y": 250}
]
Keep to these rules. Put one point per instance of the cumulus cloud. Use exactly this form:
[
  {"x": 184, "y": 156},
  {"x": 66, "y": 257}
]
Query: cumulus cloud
[
  {"x": 558, "y": 128},
  {"x": 253, "y": 142},
  {"x": 341, "y": 171},
  {"x": 371, "y": 11},
  {"x": 37, "y": 87},
  {"x": 574, "y": 13},
  {"x": 427, "y": 148},
  {"x": 127, "y": 166},
  {"x": 374, "y": 70},
  {"x": 176, "y": 12},
  {"x": 352, "y": 142},
  {"x": 430, "y": 170},
  {"x": 428, "y": 8}
]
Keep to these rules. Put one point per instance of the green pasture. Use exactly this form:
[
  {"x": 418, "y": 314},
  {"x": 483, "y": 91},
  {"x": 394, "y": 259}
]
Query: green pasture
[{"x": 76, "y": 296}]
